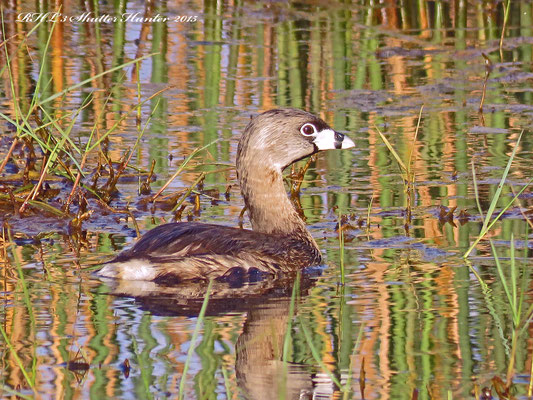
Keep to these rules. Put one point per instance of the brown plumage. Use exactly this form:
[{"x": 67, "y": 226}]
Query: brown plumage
[{"x": 279, "y": 242}]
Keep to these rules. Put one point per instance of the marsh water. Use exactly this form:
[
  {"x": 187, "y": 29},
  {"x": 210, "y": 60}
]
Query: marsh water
[{"x": 394, "y": 312}]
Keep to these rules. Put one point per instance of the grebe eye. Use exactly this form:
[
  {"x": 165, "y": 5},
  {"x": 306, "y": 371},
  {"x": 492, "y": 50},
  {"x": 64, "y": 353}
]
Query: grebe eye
[{"x": 308, "y": 129}]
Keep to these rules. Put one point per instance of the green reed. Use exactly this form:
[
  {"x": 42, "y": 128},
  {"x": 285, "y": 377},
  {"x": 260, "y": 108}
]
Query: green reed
[
  {"x": 287, "y": 340},
  {"x": 514, "y": 285},
  {"x": 140, "y": 362},
  {"x": 347, "y": 385},
  {"x": 316, "y": 353},
  {"x": 507, "y": 9},
  {"x": 406, "y": 169},
  {"x": 341, "y": 249},
  {"x": 514, "y": 289},
  {"x": 18, "y": 395},
  {"x": 182, "y": 167},
  {"x": 30, "y": 379},
  {"x": 192, "y": 344},
  {"x": 292, "y": 308},
  {"x": 225, "y": 375},
  {"x": 318, "y": 359},
  {"x": 487, "y": 223},
  {"x": 368, "y": 211},
  {"x": 55, "y": 147},
  {"x": 530, "y": 387}
]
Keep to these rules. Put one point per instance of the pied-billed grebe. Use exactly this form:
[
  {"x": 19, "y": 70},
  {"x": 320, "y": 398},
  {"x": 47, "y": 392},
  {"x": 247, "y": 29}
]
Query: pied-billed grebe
[{"x": 279, "y": 241}]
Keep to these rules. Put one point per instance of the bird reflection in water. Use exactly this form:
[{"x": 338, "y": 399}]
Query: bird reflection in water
[{"x": 259, "y": 367}]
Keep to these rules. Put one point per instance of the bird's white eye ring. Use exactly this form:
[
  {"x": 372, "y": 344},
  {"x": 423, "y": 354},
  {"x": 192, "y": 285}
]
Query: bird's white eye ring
[{"x": 308, "y": 129}]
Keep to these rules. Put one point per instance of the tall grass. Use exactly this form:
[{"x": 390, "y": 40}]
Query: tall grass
[
  {"x": 22, "y": 119},
  {"x": 57, "y": 148}
]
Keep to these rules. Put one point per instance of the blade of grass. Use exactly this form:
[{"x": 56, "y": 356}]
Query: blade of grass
[
  {"x": 530, "y": 387},
  {"x": 188, "y": 192},
  {"x": 514, "y": 303},
  {"x": 503, "y": 278},
  {"x": 92, "y": 78},
  {"x": 525, "y": 275},
  {"x": 226, "y": 381},
  {"x": 287, "y": 340},
  {"x": 39, "y": 205},
  {"x": 17, "y": 358},
  {"x": 527, "y": 319},
  {"x": 42, "y": 69},
  {"x": 7, "y": 389},
  {"x": 412, "y": 148},
  {"x": 483, "y": 233},
  {"x": 341, "y": 248},
  {"x": 369, "y": 209},
  {"x": 292, "y": 306},
  {"x": 181, "y": 167},
  {"x": 487, "y": 294},
  {"x": 506, "y": 9},
  {"x": 499, "y": 189},
  {"x": 346, "y": 394},
  {"x": 142, "y": 367},
  {"x": 393, "y": 152},
  {"x": 476, "y": 191},
  {"x": 316, "y": 354},
  {"x": 487, "y": 224},
  {"x": 31, "y": 317},
  {"x": 192, "y": 343},
  {"x": 8, "y": 154}
]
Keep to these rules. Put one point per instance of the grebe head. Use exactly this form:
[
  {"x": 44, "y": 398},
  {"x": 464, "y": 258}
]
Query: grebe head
[{"x": 277, "y": 138}]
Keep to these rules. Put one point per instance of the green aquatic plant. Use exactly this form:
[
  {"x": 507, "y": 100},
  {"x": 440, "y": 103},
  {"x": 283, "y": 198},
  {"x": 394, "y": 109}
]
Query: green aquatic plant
[
  {"x": 513, "y": 279},
  {"x": 348, "y": 384},
  {"x": 515, "y": 289},
  {"x": 368, "y": 211},
  {"x": 487, "y": 223},
  {"x": 52, "y": 136},
  {"x": 316, "y": 354},
  {"x": 406, "y": 169},
  {"x": 346, "y": 388},
  {"x": 506, "y": 10},
  {"x": 194, "y": 338},
  {"x": 29, "y": 376},
  {"x": 30, "y": 380},
  {"x": 341, "y": 249},
  {"x": 24, "y": 128}
]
